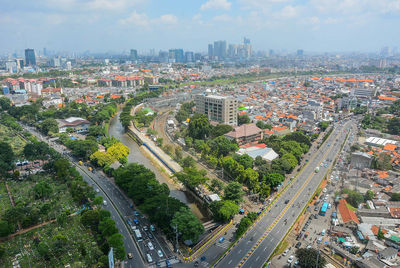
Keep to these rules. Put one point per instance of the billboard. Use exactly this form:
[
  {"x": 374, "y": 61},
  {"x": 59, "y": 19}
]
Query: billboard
[{"x": 111, "y": 258}]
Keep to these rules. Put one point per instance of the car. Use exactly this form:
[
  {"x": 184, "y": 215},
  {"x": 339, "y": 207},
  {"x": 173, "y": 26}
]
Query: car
[
  {"x": 160, "y": 254},
  {"x": 309, "y": 246},
  {"x": 324, "y": 190},
  {"x": 316, "y": 209},
  {"x": 319, "y": 240},
  {"x": 105, "y": 202},
  {"x": 285, "y": 252},
  {"x": 152, "y": 228},
  {"x": 286, "y": 201},
  {"x": 151, "y": 247},
  {"x": 145, "y": 228},
  {"x": 130, "y": 256},
  {"x": 97, "y": 190},
  {"x": 221, "y": 239},
  {"x": 149, "y": 258},
  {"x": 291, "y": 258},
  {"x": 136, "y": 213},
  {"x": 315, "y": 216},
  {"x": 298, "y": 245},
  {"x": 168, "y": 263},
  {"x": 150, "y": 235}
]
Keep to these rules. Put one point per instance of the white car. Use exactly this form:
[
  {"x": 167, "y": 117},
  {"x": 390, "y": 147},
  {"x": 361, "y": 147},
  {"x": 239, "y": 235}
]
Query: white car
[
  {"x": 160, "y": 254},
  {"x": 290, "y": 260},
  {"x": 105, "y": 202},
  {"x": 151, "y": 247},
  {"x": 285, "y": 252}
]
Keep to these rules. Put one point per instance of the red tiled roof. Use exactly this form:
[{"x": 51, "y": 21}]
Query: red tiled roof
[
  {"x": 244, "y": 131},
  {"x": 347, "y": 214}
]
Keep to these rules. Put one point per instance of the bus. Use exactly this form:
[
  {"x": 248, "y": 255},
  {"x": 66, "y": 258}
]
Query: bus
[
  {"x": 324, "y": 207},
  {"x": 138, "y": 235}
]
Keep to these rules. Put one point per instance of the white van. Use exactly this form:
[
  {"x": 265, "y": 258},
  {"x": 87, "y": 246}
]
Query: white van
[
  {"x": 149, "y": 259},
  {"x": 323, "y": 232}
]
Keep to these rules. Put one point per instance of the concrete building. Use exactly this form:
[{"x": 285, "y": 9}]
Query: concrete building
[
  {"x": 360, "y": 160},
  {"x": 363, "y": 92},
  {"x": 218, "y": 108},
  {"x": 79, "y": 125},
  {"x": 30, "y": 58}
]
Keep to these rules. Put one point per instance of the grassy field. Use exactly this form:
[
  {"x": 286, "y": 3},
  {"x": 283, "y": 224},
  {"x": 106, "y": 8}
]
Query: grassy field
[
  {"x": 11, "y": 137},
  {"x": 59, "y": 200},
  {"x": 75, "y": 246}
]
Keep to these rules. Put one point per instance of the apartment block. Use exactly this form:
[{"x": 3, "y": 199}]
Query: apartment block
[{"x": 218, "y": 108}]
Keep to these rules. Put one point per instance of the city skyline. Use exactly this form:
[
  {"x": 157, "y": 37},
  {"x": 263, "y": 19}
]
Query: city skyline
[{"x": 103, "y": 25}]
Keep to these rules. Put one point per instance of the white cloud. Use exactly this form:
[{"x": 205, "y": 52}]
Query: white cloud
[
  {"x": 168, "y": 19},
  {"x": 223, "y": 17},
  {"x": 288, "y": 12},
  {"x": 216, "y": 4},
  {"x": 93, "y": 5},
  {"x": 137, "y": 19}
]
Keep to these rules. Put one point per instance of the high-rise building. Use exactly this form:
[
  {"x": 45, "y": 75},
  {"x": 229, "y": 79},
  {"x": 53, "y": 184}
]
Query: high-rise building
[
  {"x": 210, "y": 51},
  {"x": 176, "y": 55},
  {"x": 220, "y": 49},
  {"x": 189, "y": 56},
  {"x": 133, "y": 55},
  {"x": 44, "y": 52},
  {"x": 218, "y": 108},
  {"x": 246, "y": 41},
  {"x": 11, "y": 66},
  {"x": 163, "y": 56},
  {"x": 299, "y": 52},
  {"x": 20, "y": 63},
  {"x": 30, "y": 58},
  {"x": 197, "y": 56}
]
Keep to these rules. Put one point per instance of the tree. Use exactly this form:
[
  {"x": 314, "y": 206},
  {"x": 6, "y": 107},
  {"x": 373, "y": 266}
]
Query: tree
[
  {"x": 189, "y": 227},
  {"x": 262, "y": 125},
  {"x": 36, "y": 150},
  {"x": 5, "y": 103},
  {"x": 102, "y": 158},
  {"x": 62, "y": 218},
  {"x": 274, "y": 179},
  {"x": 369, "y": 195},
  {"x": 243, "y": 119},
  {"x": 107, "y": 227},
  {"x": 178, "y": 152},
  {"x": 5, "y": 228},
  {"x": 233, "y": 191},
  {"x": 394, "y": 126},
  {"x": 49, "y": 125},
  {"x": 199, "y": 126},
  {"x": 188, "y": 162},
  {"x": 61, "y": 168},
  {"x": 244, "y": 224},
  {"x": 291, "y": 160},
  {"x": 221, "y": 146},
  {"x": 191, "y": 177},
  {"x": 90, "y": 218},
  {"x": 395, "y": 197},
  {"x": 220, "y": 130},
  {"x": 216, "y": 185},
  {"x": 118, "y": 151},
  {"x": 42, "y": 190},
  {"x": 7, "y": 158},
  {"x": 98, "y": 200},
  {"x": 43, "y": 250},
  {"x": 116, "y": 241},
  {"x": 380, "y": 234},
  {"x": 281, "y": 166},
  {"x": 250, "y": 178},
  {"x": 354, "y": 198},
  {"x": 299, "y": 137},
  {"x": 96, "y": 130},
  {"x": 227, "y": 210},
  {"x": 264, "y": 190},
  {"x": 323, "y": 125},
  {"x": 245, "y": 160},
  {"x": 382, "y": 162},
  {"x": 308, "y": 258}
]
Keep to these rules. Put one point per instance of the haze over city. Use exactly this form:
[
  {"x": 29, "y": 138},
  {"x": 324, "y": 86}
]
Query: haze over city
[{"x": 118, "y": 25}]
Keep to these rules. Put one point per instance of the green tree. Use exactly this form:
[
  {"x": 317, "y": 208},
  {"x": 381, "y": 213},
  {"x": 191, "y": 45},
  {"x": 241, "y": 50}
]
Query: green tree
[
  {"x": 250, "y": 178},
  {"x": 188, "y": 162},
  {"x": 274, "y": 179},
  {"x": 220, "y": 130},
  {"x": 90, "y": 218},
  {"x": 5, "y": 103},
  {"x": 228, "y": 210},
  {"x": 5, "y": 228},
  {"x": 221, "y": 146},
  {"x": 178, "y": 153},
  {"x": 308, "y": 258},
  {"x": 262, "y": 125},
  {"x": 369, "y": 195},
  {"x": 42, "y": 190},
  {"x": 189, "y": 227},
  {"x": 244, "y": 224},
  {"x": 243, "y": 119},
  {"x": 96, "y": 131},
  {"x": 116, "y": 241},
  {"x": 395, "y": 197},
  {"x": 245, "y": 160},
  {"x": 233, "y": 191},
  {"x": 199, "y": 126},
  {"x": 264, "y": 190},
  {"x": 323, "y": 125},
  {"x": 191, "y": 177},
  {"x": 62, "y": 218},
  {"x": 216, "y": 185},
  {"x": 107, "y": 227},
  {"x": 382, "y": 162},
  {"x": 36, "y": 150},
  {"x": 43, "y": 250},
  {"x": 291, "y": 159},
  {"x": 98, "y": 200},
  {"x": 7, "y": 158},
  {"x": 49, "y": 125},
  {"x": 299, "y": 137},
  {"x": 380, "y": 234},
  {"x": 232, "y": 168}
]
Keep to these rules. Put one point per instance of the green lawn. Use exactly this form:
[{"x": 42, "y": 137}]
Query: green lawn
[{"x": 78, "y": 247}]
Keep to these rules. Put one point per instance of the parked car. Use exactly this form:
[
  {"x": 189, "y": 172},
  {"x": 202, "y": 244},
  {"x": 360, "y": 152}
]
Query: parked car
[
  {"x": 285, "y": 252},
  {"x": 160, "y": 254},
  {"x": 149, "y": 258},
  {"x": 130, "y": 256},
  {"x": 298, "y": 245},
  {"x": 290, "y": 260},
  {"x": 151, "y": 247}
]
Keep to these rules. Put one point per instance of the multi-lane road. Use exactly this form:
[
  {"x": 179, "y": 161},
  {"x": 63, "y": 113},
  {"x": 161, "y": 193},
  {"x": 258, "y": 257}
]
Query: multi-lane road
[{"x": 255, "y": 248}]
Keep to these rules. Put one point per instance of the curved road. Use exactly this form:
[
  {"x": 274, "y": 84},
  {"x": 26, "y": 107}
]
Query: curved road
[{"x": 255, "y": 248}]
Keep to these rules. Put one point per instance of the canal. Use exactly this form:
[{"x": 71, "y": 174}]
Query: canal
[{"x": 117, "y": 130}]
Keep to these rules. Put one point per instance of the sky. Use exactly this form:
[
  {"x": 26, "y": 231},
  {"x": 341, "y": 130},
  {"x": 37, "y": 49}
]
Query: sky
[{"x": 119, "y": 25}]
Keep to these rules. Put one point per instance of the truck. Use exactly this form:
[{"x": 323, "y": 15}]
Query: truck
[{"x": 316, "y": 169}]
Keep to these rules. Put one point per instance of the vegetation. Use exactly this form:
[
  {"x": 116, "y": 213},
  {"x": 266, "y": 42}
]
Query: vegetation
[
  {"x": 185, "y": 111},
  {"x": 243, "y": 119},
  {"x": 153, "y": 199},
  {"x": 382, "y": 162},
  {"x": 263, "y": 125},
  {"x": 245, "y": 223},
  {"x": 353, "y": 198},
  {"x": 308, "y": 258}
]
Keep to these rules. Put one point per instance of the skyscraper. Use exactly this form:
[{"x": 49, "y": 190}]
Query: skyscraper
[
  {"x": 210, "y": 51},
  {"x": 176, "y": 55},
  {"x": 189, "y": 56},
  {"x": 133, "y": 54},
  {"x": 220, "y": 49},
  {"x": 44, "y": 52},
  {"x": 246, "y": 41},
  {"x": 300, "y": 52},
  {"x": 30, "y": 58}
]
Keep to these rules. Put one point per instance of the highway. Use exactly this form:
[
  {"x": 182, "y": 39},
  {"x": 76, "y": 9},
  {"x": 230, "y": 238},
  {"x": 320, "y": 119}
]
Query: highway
[{"x": 255, "y": 248}]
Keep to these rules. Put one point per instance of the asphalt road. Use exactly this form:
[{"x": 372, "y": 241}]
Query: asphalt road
[{"x": 260, "y": 242}]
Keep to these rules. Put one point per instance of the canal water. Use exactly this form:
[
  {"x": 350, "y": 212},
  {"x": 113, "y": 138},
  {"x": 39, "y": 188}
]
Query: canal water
[{"x": 117, "y": 130}]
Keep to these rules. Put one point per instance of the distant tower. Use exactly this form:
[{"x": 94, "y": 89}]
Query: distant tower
[
  {"x": 300, "y": 52},
  {"x": 246, "y": 41},
  {"x": 133, "y": 54},
  {"x": 210, "y": 51},
  {"x": 44, "y": 52},
  {"x": 30, "y": 58}
]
